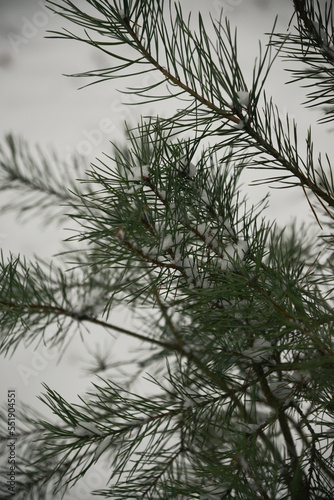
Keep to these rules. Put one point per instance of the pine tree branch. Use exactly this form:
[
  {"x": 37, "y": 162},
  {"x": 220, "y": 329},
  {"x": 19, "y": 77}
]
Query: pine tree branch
[
  {"x": 260, "y": 142},
  {"x": 244, "y": 331},
  {"x": 294, "y": 168},
  {"x": 290, "y": 445},
  {"x": 303, "y": 12},
  {"x": 230, "y": 392},
  {"x": 176, "y": 81},
  {"x": 41, "y": 182},
  {"x": 312, "y": 46},
  {"x": 46, "y": 309},
  {"x": 168, "y": 464}
]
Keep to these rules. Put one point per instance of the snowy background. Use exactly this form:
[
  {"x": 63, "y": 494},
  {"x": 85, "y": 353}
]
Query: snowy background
[{"x": 45, "y": 108}]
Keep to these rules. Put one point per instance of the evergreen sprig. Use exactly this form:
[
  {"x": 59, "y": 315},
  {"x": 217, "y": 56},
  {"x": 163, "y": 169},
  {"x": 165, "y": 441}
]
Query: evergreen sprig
[
  {"x": 40, "y": 180},
  {"x": 29, "y": 478},
  {"x": 217, "y": 107},
  {"x": 238, "y": 313},
  {"x": 312, "y": 45}
]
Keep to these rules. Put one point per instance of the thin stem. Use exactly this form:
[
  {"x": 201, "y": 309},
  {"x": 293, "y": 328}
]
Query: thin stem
[
  {"x": 176, "y": 81},
  {"x": 260, "y": 141},
  {"x": 283, "y": 421},
  {"x": 230, "y": 392},
  {"x": 294, "y": 168},
  {"x": 84, "y": 317},
  {"x": 168, "y": 464}
]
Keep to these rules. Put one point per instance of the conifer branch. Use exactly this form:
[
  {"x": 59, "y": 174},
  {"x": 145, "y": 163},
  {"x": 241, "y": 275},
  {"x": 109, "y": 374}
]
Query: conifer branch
[
  {"x": 80, "y": 317},
  {"x": 38, "y": 181},
  {"x": 238, "y": 315},
  {"x": 238, "y": 117}
]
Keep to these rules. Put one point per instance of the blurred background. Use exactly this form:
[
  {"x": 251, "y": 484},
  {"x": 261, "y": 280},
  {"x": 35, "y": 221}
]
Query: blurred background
[{"x": 46, "y": 108}]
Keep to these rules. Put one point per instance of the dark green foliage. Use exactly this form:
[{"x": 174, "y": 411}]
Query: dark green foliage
[{"x": 237, "y": 312}]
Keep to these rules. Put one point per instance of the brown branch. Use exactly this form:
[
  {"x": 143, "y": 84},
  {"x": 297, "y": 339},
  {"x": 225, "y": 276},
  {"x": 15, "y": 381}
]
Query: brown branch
[
  {"x": 168, "y": 464},
  {"x": 292, "y": 167},
  {"x": 305, "y": 331},
  {"x": 45, "y": 309},
  {"x": 319, "y": 193},
  {"x": 302, "y": 493},
  {"x": 176, "y": 81},
  {"x": 228, "y": 392}
]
